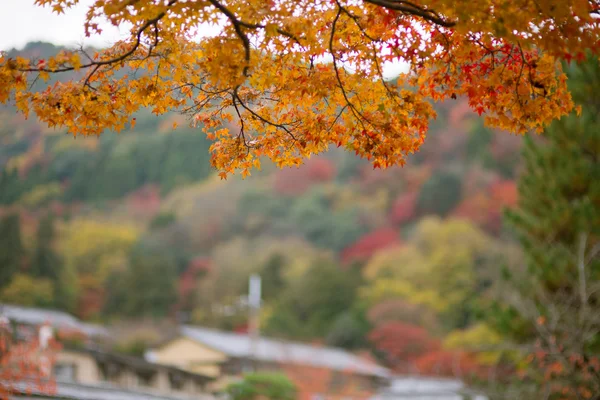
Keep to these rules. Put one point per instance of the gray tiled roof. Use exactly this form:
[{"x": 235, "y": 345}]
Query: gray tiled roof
[
  {"x": 39, "y": 316},
  {"x": 97, "y": 392},
  {"x": 273, "y": 350},
  {"x": 426, "y": 388}
]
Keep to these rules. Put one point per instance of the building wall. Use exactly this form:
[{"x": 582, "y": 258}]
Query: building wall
[
  {"x": 190, "y": 355},
  {"x": 86, "y": 369}
]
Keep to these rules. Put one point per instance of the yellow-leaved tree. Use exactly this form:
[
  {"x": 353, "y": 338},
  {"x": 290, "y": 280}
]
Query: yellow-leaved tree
[{"x": 296, "y": 76}]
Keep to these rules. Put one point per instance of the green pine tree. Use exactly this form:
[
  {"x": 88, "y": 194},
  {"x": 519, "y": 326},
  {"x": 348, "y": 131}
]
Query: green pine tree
[
  {"x": 559, "y": 190},
  {"x": 552, "y": 302}
]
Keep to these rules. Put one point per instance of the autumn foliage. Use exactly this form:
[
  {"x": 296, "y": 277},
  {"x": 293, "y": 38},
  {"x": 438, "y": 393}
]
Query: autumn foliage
[
  {"x": 457, "y": 364},
  {"x": 569, "y": 377},
  {"x": 298, "y": 76},
  {"x": 402, "y": 343},
  {"x": 311, "y": 381},
  {"x": 295, "y": 181},
  {"x": 24, "y": 365},
  {"x": 404, "y": 208},
  {"x": 370, "y": 243},
  {"x": 486, "y": 206},
  {"x": 187, "y": 283},
  {"x": 411, "y": 349}
]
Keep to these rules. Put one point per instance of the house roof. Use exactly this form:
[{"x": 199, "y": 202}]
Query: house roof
[
  {"x": 58, "y": 319},
  {"x": 77, "y": 391},
  {"x": 426, "y": 388},
  {"x": 279, "y": 351}
]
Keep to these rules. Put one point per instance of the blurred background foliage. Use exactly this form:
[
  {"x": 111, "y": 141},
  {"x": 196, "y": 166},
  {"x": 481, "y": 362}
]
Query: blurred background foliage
[{"x": 405, "y": 262}]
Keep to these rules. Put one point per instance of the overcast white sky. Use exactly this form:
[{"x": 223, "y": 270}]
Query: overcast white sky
[{"x": 21, "y": 22}]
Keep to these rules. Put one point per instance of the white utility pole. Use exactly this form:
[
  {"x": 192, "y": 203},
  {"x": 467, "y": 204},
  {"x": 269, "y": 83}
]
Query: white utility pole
[{"x": 254, "y": 316}]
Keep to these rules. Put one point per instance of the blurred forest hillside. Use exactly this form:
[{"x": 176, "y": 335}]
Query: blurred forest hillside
[{"x": 136, "y": 224}]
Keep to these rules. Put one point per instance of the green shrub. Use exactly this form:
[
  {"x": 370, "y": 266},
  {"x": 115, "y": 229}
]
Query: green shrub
[{"x": 263, "y": 386}]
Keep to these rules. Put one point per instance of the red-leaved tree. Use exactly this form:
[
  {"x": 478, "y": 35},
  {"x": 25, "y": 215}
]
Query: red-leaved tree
[
  {"x": 402, "y": 344},
  {"x": 368, "y": 244},
  {"x": 457, "y": 364},
  {"x": 404, "y": 208}
]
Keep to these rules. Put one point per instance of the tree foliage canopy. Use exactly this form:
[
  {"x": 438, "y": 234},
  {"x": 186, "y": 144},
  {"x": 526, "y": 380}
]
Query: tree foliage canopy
[
  {"x": 268, "y": 386},
  {"x": 298, "y": 76},
  {"x": 552, "y": 301}
]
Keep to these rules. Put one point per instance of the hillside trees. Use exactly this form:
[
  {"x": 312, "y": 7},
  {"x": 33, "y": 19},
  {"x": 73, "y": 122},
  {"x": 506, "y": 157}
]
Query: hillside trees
[
  {"x": 442, "y": 184},
  {"x": 423, "y": 299},
  {"x": 59, "y": 168},
  {"x": 117, "y": 168},
  {"x": 96, "y": 247},
  {"x": 313, "y": 217},
  {"x": 147, "y": 288},
  {"x": 264, "y": 70},
  {"x": 33, "y": 279},
  {"x": 46, "y": 262},
  {"x": 309, "y": 307},
  {"x": 28, "y": 291},
  {"x": 91, "y": 250},
  {"x": 442, "y": 267},
  {"x": 240, "y": 227}
]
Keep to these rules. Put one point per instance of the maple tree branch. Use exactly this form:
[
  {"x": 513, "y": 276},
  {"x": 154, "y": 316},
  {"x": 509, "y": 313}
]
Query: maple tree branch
[
  {"x": 81, "y": 50},
  {"x": 242, "y": 134},
  {"x": 237, "y": 26},
  {"x": 97, "y": 64},
  {"x": 337, "y": 117},
  {"x": 198, "y": 105},
  {"x": 260, "y": 117},
  {"x": 518, "y": 81},
  {"x": 391, "y": 94},
  {"x": 356, "y": 19},
  {"x": 413, "y": 9},
  {"x": 86, "y": 83},
  {"x": 357, "y": 114},
  {"x": 373, "y": 40}
]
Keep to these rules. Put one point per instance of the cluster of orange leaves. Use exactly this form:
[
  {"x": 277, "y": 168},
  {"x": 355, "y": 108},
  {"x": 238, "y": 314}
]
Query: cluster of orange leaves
[
  {"x": 296, "y": 77},
  {"x": 24, "y": 366}
]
